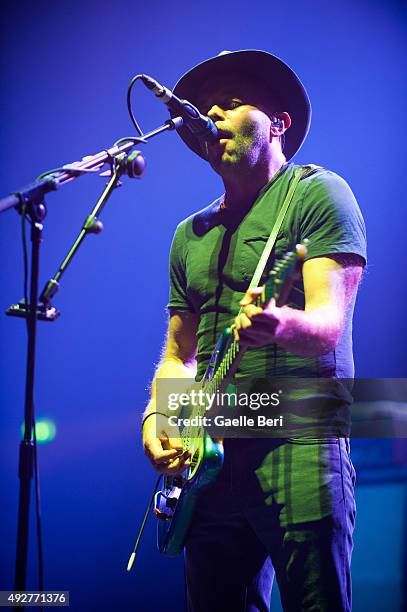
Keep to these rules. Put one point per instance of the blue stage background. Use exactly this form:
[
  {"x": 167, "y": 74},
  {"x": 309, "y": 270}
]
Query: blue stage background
[{"x": 65, "y": 71}]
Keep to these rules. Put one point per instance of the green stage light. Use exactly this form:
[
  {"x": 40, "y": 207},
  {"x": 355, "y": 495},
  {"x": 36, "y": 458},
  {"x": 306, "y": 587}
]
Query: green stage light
[{"x": 45, "y": 430}]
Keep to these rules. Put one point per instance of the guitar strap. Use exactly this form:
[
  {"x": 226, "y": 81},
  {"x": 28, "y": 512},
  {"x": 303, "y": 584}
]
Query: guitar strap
[{"x": 300, "y": 173}]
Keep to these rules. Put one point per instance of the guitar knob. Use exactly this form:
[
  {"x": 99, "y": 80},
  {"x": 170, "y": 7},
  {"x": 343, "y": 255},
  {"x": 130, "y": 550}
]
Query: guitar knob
[{"x": 160, "y": 515}]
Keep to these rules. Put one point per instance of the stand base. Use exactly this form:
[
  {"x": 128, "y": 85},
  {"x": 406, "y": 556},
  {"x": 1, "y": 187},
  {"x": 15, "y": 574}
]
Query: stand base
[{"x": 43, "y": 313}]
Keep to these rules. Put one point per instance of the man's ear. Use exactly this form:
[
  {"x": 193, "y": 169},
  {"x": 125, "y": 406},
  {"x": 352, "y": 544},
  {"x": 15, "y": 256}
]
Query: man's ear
[{"x": 280, "y": 122}]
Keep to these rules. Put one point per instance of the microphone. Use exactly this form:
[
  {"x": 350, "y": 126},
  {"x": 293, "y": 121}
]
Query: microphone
[{"x": 201, "y": 126}]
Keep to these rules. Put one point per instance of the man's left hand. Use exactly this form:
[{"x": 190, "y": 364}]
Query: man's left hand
[{"x": 257, "y": 326}]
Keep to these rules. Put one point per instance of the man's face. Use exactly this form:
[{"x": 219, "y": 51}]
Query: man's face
[{"x": 243, "y": 124}]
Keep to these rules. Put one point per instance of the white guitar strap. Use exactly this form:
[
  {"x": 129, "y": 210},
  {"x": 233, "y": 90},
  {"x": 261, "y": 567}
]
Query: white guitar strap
[{"x": 299, "y": 173}]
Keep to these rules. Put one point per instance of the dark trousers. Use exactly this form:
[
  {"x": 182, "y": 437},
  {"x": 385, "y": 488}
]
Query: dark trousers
[{"x": 287, "y": 505}]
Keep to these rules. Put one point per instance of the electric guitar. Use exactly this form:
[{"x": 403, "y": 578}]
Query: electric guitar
[{"x": 175, "y": 504}]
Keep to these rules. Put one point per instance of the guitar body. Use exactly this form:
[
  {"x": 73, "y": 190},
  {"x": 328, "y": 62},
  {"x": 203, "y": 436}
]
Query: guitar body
[
  {"x": 175, "y": 504},
  {"x": 179, "y": 496}
]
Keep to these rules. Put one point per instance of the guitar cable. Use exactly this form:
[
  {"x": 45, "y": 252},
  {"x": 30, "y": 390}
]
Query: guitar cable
[{"x": 143, "y": 524}]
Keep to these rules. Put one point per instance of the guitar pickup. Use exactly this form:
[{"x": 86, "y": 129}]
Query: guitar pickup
[{"x": 178, "y": 481}]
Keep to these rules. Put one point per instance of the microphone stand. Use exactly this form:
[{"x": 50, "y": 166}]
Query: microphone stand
[{"x": 30, "y": 202}]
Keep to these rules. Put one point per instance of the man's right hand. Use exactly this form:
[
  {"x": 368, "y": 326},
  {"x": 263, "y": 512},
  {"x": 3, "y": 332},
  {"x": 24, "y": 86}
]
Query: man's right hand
[
  {"x": 162, "y": 443},
  {"x": 163, "y": 446}
]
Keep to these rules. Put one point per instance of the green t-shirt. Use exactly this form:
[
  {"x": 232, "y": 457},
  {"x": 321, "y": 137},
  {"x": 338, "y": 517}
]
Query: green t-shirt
[{"x": 214, "y": 254}]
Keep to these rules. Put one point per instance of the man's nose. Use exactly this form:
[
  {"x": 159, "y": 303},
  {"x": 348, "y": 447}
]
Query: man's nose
[{"x": 216, "y": 112}]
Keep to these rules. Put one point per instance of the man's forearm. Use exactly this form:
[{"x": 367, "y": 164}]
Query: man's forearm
[
  {"x": 171, "y": 368},
  {"x": 308, "y": 333}
]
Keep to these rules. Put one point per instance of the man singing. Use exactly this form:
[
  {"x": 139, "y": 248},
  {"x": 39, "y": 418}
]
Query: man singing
[{"x": 282, "y": 506}]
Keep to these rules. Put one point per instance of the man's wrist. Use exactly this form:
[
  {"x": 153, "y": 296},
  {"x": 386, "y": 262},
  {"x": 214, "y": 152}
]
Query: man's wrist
[{"x": 147, "y": 416}]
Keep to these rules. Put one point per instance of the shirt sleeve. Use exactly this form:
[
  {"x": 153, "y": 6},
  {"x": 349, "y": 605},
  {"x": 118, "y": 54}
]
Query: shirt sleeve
[
  {"x": 331, "y": 218},
  {"x": 178, "y": 282}
]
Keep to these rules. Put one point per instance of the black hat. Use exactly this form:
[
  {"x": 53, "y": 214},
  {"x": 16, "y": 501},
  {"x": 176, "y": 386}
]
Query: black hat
[{"x": 264, "y": 68}]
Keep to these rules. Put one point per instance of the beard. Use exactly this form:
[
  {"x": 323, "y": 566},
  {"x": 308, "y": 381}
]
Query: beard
[{"x": 240, "y": 155}]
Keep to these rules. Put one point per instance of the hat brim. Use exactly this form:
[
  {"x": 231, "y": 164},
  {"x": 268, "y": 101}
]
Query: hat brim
[{"x": 263, "y": 67}]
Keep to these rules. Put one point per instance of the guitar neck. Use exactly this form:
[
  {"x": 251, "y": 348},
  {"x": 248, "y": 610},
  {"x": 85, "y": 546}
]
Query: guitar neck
[
  {"x": 227, "y": 367},
  {"x": 278, "y": 286}
]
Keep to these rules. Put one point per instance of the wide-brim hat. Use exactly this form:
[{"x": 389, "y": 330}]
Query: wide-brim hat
[{"x": 263, "y": 67}]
